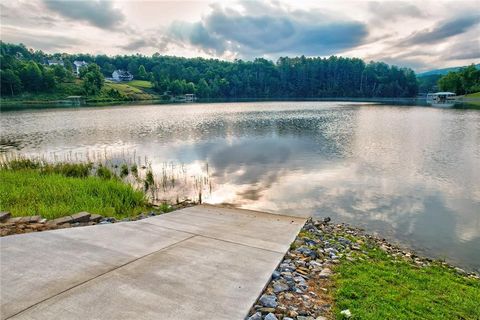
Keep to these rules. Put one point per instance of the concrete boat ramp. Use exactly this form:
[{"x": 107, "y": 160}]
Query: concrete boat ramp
[{"x": 203, "y": 262}]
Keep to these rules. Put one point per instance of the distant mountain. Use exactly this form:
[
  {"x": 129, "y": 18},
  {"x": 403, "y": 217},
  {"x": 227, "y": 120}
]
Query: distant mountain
[{"x": 442, "y": 71}]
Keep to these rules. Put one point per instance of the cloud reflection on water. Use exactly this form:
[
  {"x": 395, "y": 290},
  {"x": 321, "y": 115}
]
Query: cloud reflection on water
[{"x": 410, "y": 174}]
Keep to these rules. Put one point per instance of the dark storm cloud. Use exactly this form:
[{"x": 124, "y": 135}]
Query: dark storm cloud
[
  {"x": 274, "y": 31},
  {"x": 444, "y": 30},
  {"x": 100, "y": 13}
]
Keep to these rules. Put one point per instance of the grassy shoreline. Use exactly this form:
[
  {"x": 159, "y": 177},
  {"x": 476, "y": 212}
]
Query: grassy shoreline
[
  {"x": 382, "y": 281},
  {"x": 135, "y": 90},
  {"x": 55, "y": 190},
  {"x": 334, "y": 271}
]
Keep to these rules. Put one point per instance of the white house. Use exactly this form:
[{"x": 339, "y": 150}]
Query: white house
[
  {"x": 78, "y": 65},
  {"x": 55, "y": 62},
  {"x": 122, "y": 75}
]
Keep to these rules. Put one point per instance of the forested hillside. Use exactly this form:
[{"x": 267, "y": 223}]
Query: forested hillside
[{"x": 23, "y": 69}]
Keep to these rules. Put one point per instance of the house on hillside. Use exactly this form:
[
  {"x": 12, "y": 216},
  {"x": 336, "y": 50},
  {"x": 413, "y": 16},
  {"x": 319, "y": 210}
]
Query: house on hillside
[
  {"x": 78, "y": 65},
  {"x": 55, "y": 62},
  {"x": 122, "y": 75}
]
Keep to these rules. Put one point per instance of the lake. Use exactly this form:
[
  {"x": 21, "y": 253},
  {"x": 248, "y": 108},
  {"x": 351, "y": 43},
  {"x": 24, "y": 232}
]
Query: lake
[{"x": 410, "y": 174}]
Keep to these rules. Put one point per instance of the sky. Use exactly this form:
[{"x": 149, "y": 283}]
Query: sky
[{"x": 423, "y": 35}]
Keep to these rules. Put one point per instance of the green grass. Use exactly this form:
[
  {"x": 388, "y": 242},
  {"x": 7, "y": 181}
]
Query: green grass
[
  {"x": 140, "y": 84},
  {"x": 123, "y": 91},
  {"x": 111, "y": 91},
  {"x": 381, "y": 287},
  {"x": 62, "y": 91},
  {"x": 32, "y": 191},
  {"x": 473, "y": 95}
]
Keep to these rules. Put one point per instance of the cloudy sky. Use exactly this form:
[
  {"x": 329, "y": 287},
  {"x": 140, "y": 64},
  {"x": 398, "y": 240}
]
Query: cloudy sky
[{"x": 418, "y": 34}]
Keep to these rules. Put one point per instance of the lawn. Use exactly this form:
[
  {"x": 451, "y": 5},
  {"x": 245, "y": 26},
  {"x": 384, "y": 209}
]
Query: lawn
[
  {"x": 473, "y": 95},
  {"x": 140, "y": 84},
  {"x": 56, "y": 193},
  {"x": 380, "y": 286},
  {"x": 124, "y": 91}
]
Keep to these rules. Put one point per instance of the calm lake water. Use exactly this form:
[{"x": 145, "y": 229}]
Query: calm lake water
[{"x": 410, "y": 174}]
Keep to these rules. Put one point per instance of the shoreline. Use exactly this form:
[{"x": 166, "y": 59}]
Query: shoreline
[
  {"x": 13, "y": 105},
  {"x": 308, "y": 284},
  {"x": 330, "y": 271}
]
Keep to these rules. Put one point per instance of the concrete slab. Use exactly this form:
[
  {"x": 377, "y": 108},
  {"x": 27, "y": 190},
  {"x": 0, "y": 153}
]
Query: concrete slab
[
  {"x": 199, "y": 278},
  {"x": 36, "y": 266},
  {"x": 200, "y": 262},
  {"x": 257, "y": 229}
]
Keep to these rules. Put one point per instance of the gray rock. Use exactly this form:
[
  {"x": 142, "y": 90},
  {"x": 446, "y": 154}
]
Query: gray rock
[
  {"x": 270, "y": 316},
  {"x": 95, "y": 218},
  {"x": 81, "y": 217},
  {"x": 5, "y": 216},
  {"x": 256, "y": 316},
  {"x": 305, "y": 318},
  {"x": 280, "y": 286},
  {"x": 35, "y": 219},
  {"x": 63, "y": 220},
  {"x": 325, "y": 273},
  {"x": 287, "y": 318},
  {"x": 346, "y": 313},
  {"x": 275, "y": 275},
  {"x": 269, "y": 301}
]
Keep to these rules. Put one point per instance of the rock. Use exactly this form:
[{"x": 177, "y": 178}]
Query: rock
[
  {"x": 270, "y": 316},
  {"x": 460, "y": 271},
  {"x": 95, "y": 218},
  {"x": 256, "y": 316},
  {"x": 269, "y": 301},
  {"x": 346, "y": 313},
  {"x": 266, "y": 310},
  {"x": 81, "y": 217},
  {"x": 288, "y": 296},
  {"x": 62, "y": 220},
  {"x": 305, "y": 318},
  {"x": 107, "y": 220},
  {"x": 287, "y": 318},
  {"x": 318, "y": 318},
  {"x": 292, "y": 313},
  {"x": 34, "y": 219},
  {"x": 275, "y": 275},
  {"x": 325, "y": 273},
  {"x": 4, "y": 216},
  {"x": 280, "y": 286}
]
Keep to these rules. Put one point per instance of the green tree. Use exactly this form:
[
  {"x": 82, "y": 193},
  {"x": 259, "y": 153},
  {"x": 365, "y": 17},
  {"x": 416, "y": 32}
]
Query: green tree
[
  {"x": 452, "y": 81},
  {"x": 470, "y": 78},
  {"x": 93, "y": 79},
  {"x": 49, "y": 81},
  {"x": 203, "y": 90},
  {"x": 60, "y": 73},
  {"x": 177, "y": 87},
  {"x": 31, "y": 76},
  {"x": 10, "y": 82},
  {"x": 142, "y": 73}
]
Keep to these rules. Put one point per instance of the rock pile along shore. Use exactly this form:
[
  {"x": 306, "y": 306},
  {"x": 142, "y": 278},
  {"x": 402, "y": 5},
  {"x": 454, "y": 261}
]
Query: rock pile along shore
[
  {"x": 16, "y": 225},
  {"x": 301, "y": 288}
]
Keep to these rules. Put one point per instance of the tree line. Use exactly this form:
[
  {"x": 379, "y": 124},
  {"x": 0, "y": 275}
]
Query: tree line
[
  {"x": 23, "y": 69},
  {"x": 464, "y": 81}
]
